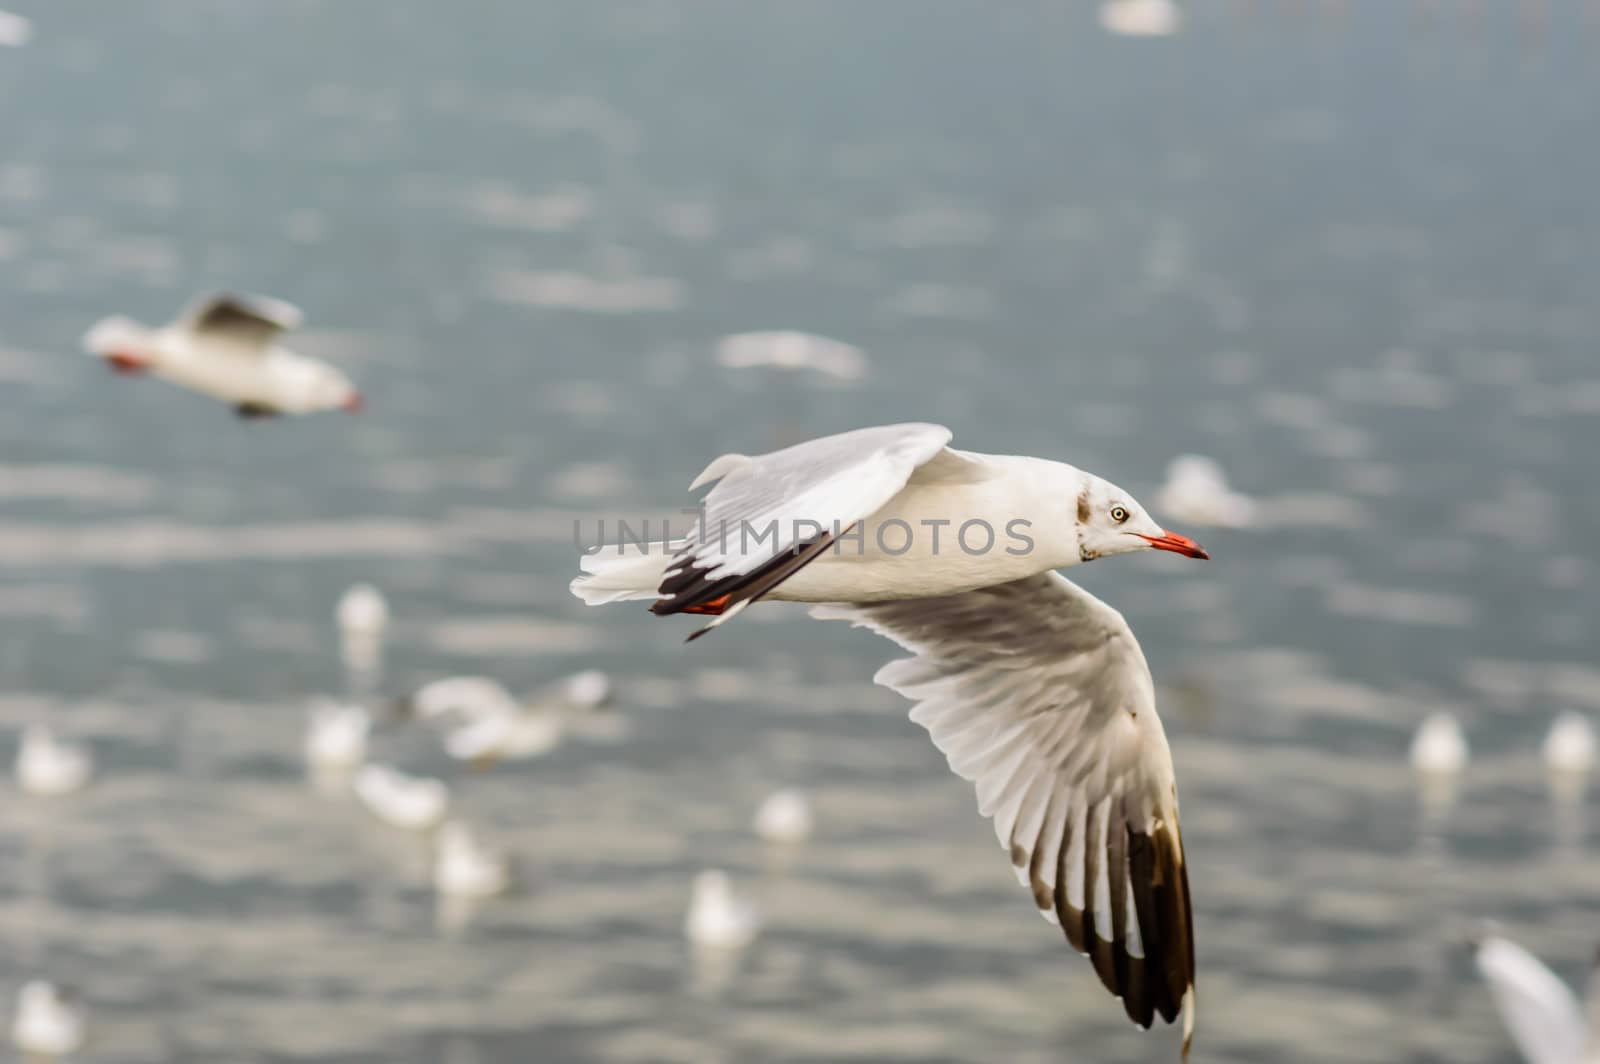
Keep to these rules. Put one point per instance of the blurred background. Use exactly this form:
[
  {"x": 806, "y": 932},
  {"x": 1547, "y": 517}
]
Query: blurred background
[{"x": 1345, "y": 248}]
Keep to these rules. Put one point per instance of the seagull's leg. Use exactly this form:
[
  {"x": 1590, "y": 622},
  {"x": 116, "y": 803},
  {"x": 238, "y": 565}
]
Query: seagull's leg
[{"x": 254, "y": 411}]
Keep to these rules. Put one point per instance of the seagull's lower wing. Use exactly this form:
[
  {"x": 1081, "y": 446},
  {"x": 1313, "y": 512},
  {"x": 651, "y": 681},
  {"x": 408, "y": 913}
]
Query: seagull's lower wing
[
  {"x": 1037, "y": 692},
  {"x": 772, "y": 514}
]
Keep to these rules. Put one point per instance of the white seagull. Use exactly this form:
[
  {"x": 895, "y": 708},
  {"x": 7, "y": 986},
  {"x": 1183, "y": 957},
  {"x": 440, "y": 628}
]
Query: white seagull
[
  {"x": 336, "y": 735},
  {"x": 718, "y": 918},
  {"x": 1569, "y": 748},
  {"x": 491, "y": 724},
  {"x": 226, "y": 346},
  {"x": 784, "y": 817},
  {"x": 792, "y": 351},
  {"x": 414, "y": 803},
  {"x": 50, "y": 766},
  {"x": 1543, "y": 1015},
  {"x": 1197, "y": 491},
  {"x": 1034, "y": 689},
  {"x": 464, "y": 867},
  {"x": 49, "y": 1022},
  {"x": 15, "y": 31},
  {"x": 1141, "y": 18}
]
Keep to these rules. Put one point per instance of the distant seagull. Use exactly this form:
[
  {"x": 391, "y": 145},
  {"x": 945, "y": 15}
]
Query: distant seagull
[
  {"x": 1197, "y": 492},
  {"x": 793, "y": 351},
  {"x": 226, "y": 346},
  {"x": 336, "y": 735},
  {"x": 15, "y": 31},
  {"x": 1569, "y": 748},
  {"x": 1439, "y": 748},
  {"x": 1033, "y": 689},
  {"x": 1141, "y": 18},
  {"x": 784, "y": 817},
  {"x": 49, "y": 766},
  {"x": 718, "y": 918},
  {"x": 49, "y": 1021},
  {"x": 464, "y": 867},
  {"x": 363, "y": 617},
  {"x": 1541, "y": 1013},
  {"x": 491, "y": 724},
  {"x": 414, "y": 803},
  {"x": 589, "y": 689}
]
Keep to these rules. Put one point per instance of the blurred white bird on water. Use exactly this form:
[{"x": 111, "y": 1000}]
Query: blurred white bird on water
[
  {"x": 718, "y": 918},
  {"x": 1542, "y": 1015},
  {"x": 48, "y": 765},
  {"x": 49, "y": 1022},
  {"x": 1439, "y": 755},
  {"x": 489, "y": 724},
  {"x": 784, "y": 817},
  {"x": 466, "y": 867},
  {"x": 226, "y": 346},
  {"x": 414, "y": 803},
  {"x": 15, "y": 31},
  {"x": 363, "y": 618},
  {"x": 1196, "y": 491},
  {"x": 1141, "y": 18},
  {"x": 795, "y": 351},
  {"x": 336, "y": 736}
]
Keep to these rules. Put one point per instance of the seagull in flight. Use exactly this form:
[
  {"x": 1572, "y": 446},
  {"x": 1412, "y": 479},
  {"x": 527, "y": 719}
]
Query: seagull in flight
[
  {"x": 226, "y": 346},
  {"x": 1034, "y": 690}
]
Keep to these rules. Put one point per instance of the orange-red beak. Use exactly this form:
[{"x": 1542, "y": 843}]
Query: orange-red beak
[
  {"x": 355, "y": 403},
  {"x": 1176, "y": 544}
]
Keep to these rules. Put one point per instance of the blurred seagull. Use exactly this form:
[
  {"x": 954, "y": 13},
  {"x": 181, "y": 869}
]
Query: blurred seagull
[
  {"x": 1569, "y": 748},
  {"x": 589, "y": 689},
  {"x": 336, "y": 735},
  {"x": 1541, "y": 1013},
  {"x": 49, "y": 1022},
  {"x": 225, "y": 346},
  {"x": 15, "y": 31},
  {"x": 718, "y": 918},
  {"x": 50, "y": 766},
  {"x": 465, "y": 867},
  {"x": 410, "y": 802},
  {"x": 1034, "y": 689},
  {"x": 784, "y": 817},
  {"x": 1141, "y": 18},
  {"x": 1196, "y": 491},
  {"x": 491, "y": 725},
  {"x": 792, "y": 351},
  {"x": 1439, "y": 748},
  {"x": 363, "y": 617}
]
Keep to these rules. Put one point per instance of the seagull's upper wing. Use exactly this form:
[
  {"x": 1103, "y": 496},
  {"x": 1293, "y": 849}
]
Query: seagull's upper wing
[
  {"x": 771, "y": 514},
  {"x": 1537, "y": 1007},
  {"x": 248, "y": 323},
  {"x": 1038, "y": 692}
]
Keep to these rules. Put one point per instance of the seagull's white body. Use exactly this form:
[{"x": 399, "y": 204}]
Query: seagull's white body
[
  {"x": 784, "y": 817},
  {"x": 48, "y": 1023},
  {"x": 410, "y": 802},
  {"x": 226, "y": 347},
  {"x": 49, "y": 766},
  {"x": 15, "y": 31},
  {"x": 718, "y": 918},
  {"x": 1197, "y": 491},
  {"x": 1035, "y": 690},
  {"x": 1543, "y": 1016},
  {"x": 1569, "y": 748},
  {"x": 465, "y": 867},
  {"x": 1439, "y": 747},
  {"x": 336, "y": 735}
]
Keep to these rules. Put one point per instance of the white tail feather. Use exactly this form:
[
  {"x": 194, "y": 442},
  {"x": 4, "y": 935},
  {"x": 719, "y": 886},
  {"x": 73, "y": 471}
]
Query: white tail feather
[
  {"x": 622, "y": 572},
  {"x": 112, "y": 333}
]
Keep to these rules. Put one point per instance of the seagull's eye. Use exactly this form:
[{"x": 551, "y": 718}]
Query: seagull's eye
[{"x": 1119, "y": 514}]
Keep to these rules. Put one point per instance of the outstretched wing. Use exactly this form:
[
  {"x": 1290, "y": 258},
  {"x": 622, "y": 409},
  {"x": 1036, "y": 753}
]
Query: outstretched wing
[
  {"x": 249, "y": 323},
  {"x": 1037, "y": 692},
  {"x": 771, "y": 514},
  {"x": 1536, "y": 1006}
]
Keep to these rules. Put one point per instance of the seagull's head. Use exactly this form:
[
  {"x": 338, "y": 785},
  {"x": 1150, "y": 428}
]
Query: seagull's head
[
  {"x": 1111, "y": 521},
  {"x": 317, "y": 386}
]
